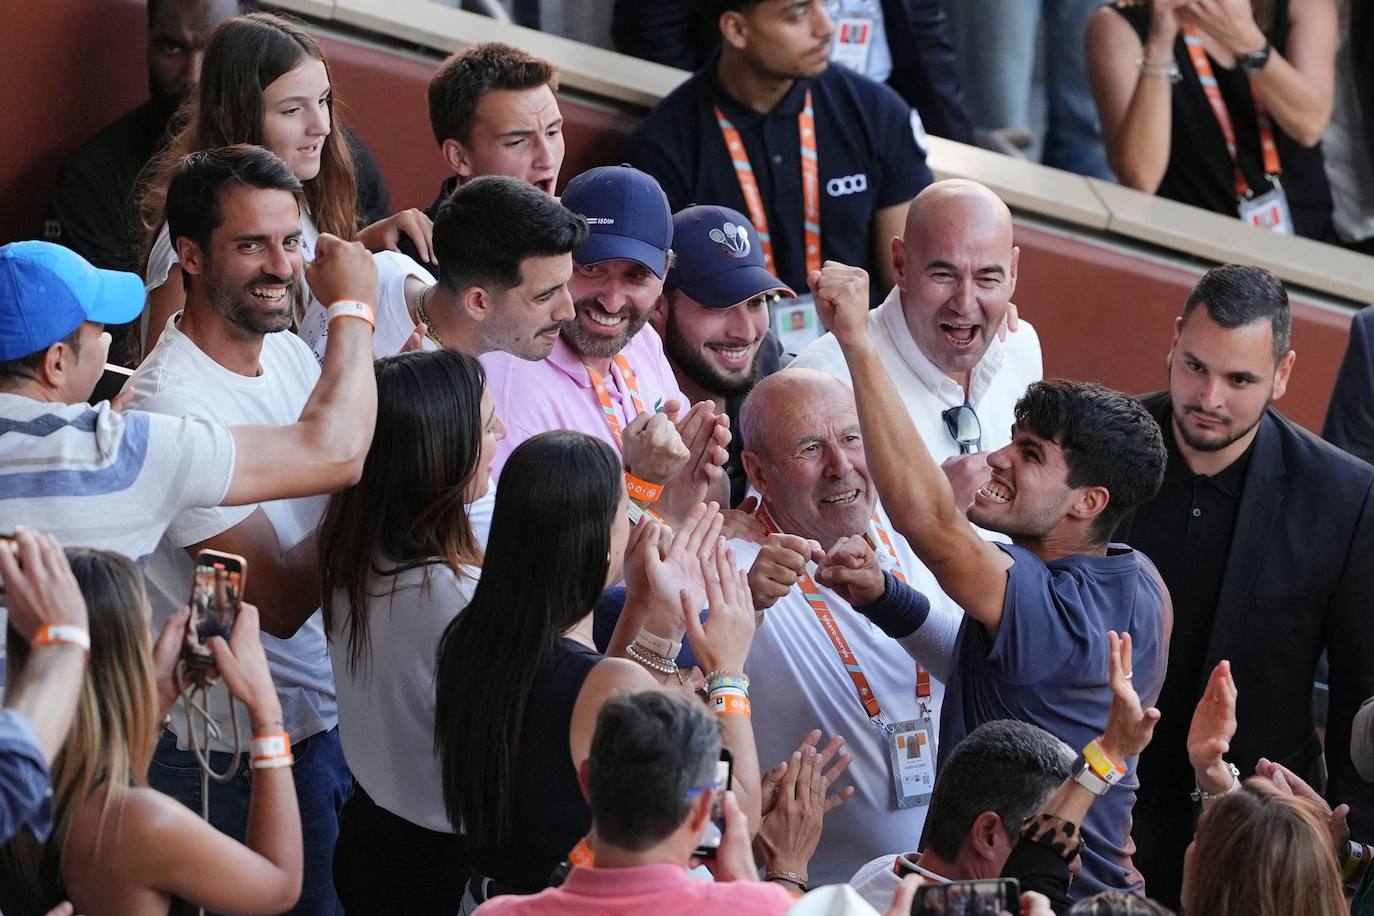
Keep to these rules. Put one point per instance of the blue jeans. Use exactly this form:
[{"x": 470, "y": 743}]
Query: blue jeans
[
  {"x": 323, "y": 785},
  {"x": 996, "y": 39}
]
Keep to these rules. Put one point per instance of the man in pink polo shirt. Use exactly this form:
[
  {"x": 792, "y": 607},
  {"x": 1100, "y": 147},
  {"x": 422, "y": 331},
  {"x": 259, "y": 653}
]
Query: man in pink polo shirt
[
  {"x": 651, "y": 781},
  {"x": 607, "y": 375}
]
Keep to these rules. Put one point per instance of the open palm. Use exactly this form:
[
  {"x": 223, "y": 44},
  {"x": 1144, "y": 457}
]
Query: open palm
[{"x": 675, "y": 566}]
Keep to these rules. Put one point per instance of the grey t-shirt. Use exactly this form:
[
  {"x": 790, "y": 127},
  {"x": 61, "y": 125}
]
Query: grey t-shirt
[{"x": 1047, "y": 665}]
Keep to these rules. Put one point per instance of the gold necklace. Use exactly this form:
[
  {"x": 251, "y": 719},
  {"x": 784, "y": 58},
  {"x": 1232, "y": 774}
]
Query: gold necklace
[{"x": 429, "y": 325}]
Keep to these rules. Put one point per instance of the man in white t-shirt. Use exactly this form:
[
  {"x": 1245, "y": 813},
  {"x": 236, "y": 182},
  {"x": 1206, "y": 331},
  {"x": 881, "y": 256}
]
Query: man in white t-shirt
[
  {"x": 96, "y": 477},
  {"x": 229, "y": 356},
  {"x": 939, "y": 332},
  {"x": 505, "y": 255},
  {"x": 833, "y": 578}
]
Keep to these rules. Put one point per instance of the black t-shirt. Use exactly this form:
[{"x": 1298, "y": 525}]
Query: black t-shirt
[
  {"x": 1187, "y": 531},
  {"x": 1200, "y": 171},
  {"x": 869, "y": 143}
]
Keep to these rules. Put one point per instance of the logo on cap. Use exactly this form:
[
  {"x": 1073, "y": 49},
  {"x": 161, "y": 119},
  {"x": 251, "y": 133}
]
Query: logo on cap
[{"x": 733, "y": 240}]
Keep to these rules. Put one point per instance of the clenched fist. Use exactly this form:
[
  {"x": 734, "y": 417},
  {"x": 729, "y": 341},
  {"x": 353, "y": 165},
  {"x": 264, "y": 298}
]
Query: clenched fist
[
  {"x": 841, "y": 294},
  {"x": 779, "y": 565}
]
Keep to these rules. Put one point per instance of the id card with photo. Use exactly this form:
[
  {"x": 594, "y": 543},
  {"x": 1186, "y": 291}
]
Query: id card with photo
[
  {"x": 796, "y": 323},
  {"x": 911, "y": 750},
  {"x": 853, "y": 39},
  {"x": 1269, "y": 211}
]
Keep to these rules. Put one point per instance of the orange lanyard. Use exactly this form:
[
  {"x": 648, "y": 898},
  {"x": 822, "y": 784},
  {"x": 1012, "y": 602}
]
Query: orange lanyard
[
  {"x": 604, "y": 396},
  {"x": 811, "y": 186},
  {"x": 1192, "y": 40},
  {"x": 813, "y": 597}
]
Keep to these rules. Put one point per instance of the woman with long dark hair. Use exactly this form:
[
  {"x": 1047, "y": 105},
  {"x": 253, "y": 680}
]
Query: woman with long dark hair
[
  {"x": 118, "y": 846},
  {"x": 520, "y": 682},
  {"x": 263, "y": 81},
  {"x": 399, "y": 563}
]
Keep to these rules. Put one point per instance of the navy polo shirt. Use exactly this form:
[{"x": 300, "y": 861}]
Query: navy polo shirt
[{"x": 869, "y": 142}]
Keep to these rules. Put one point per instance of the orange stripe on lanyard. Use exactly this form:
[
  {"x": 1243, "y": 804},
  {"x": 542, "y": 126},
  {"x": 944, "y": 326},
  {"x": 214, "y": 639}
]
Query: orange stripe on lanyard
[
  {"x": 811, "y": 185},
  {"x": 1202, "y": 66},
  {"x": 604, "y": 396},
  {"x": 813, "y": 597}
]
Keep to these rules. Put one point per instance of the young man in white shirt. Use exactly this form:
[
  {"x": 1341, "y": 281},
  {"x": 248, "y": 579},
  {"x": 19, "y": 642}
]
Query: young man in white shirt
[
  {"x": 229, "y": 356},
  {"x": 940, "y": 331},
  {"x": 832, "y": 564}
]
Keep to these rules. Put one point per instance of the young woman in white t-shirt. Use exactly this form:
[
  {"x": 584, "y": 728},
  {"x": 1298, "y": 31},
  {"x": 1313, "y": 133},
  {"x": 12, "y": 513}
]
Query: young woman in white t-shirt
[
  {"x": 263, "y": 81},
  {"x": 400, "y": 562}
]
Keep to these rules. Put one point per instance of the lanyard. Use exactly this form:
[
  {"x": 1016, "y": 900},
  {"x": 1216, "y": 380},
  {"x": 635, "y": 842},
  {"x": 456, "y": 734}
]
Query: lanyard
[
  {"x": 813, "y": 597},
  {"x": 1192, "y": 40},
  {"x": 811, "y": 186},
  {"x": 604, "y": 396}
]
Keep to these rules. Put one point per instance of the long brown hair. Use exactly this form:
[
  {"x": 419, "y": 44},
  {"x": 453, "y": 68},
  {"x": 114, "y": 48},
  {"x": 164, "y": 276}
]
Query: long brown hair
[
  {"x": 1259, "y": 852},
  {"x": 409, "y": 507},
  {"x": 245, "y": 55},
  {"x": 116, "y": 724}
]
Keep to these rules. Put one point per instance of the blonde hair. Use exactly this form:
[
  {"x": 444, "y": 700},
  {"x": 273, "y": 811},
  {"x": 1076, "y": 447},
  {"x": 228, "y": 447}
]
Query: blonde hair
[
  {"x": 116, "y": 724},
  {"x": 1259, "y": 852}
]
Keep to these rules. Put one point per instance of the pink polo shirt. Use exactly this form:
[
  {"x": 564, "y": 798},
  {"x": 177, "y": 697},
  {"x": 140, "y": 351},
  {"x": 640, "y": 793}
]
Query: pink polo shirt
[
  {"x": 533, "y": 397},
  {"x": 664, "y": 890}
]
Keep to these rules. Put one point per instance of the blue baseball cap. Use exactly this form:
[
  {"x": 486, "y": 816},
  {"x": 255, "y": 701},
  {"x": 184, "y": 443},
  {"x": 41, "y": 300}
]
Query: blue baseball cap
[
  {"x": 46, "y": 291},
  {"x": 719, "y": 258},
  {"x": 627, "y": 217}
]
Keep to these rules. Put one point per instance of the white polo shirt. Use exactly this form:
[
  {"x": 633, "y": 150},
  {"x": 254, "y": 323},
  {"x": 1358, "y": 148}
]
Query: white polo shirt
[
  {"x": 799, "y": 683},
  {"x": 996, "y": 384}
]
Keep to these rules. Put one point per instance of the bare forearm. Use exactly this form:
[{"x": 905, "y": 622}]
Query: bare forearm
[
  {"x": 1296, "y": 103},
  {"x": 1070, "y": 802},
  {"x": 274, "y": 822},
  {"x": 47, "y": 692},
  {"x": 738, "y": 736},
  {"x": 1141, "y": 145},
  {"x": 339, "y": 417}
]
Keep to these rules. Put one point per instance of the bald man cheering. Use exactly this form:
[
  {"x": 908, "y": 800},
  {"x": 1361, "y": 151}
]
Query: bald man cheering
[{"x": 937, "y": 333}]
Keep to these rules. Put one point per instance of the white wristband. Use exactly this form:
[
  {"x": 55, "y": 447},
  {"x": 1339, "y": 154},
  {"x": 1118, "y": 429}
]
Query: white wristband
[
  {"x": 62, "y": 634},
  {"x": 659, "y": 645},
  {"x": 350, "y": 308},
  {"x": 270, "y": 745}
]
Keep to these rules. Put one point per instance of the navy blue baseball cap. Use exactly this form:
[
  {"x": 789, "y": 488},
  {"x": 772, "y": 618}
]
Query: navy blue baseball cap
[
  {"x": 719, "y": 258},
  {"x": 627, "y": 217},
  {"x": 46, "y": 291}
]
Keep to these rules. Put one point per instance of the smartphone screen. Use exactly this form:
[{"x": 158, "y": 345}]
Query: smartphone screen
[
  {"x": 715, "y": 827},
  {"x": 216, "y": 591},
  {"x": 968, "y": 898}
]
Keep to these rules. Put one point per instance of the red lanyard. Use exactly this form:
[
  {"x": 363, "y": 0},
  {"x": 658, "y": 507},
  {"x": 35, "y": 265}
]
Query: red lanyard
[
  {"x": 604, "y": 396},
  {"x": 811, "y": 186},
  {"x": 1192, "y": 40},
  {"x": 813, "y": 597}
]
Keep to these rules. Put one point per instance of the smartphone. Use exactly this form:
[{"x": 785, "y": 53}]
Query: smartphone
[
  {"x": 216, "y": 592},
  {"x": 990, "y": 897},
  {"x": 715, "y": 827}
]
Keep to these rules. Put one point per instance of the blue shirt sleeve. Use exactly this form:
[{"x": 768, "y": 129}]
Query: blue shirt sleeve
[
  {"x": 25, "y": 787},
  {"x": 902, "y": 150},
  {"x": 1046, "y": 625}
]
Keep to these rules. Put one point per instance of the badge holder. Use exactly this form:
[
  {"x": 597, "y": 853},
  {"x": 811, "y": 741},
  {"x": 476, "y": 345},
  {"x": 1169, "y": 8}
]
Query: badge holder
[
  {"x": 853, "y": 40},
  {"x": 795, "y": 322},
  {"x": 911, "y": 752},
  {"x": 1269, "y": 210}
]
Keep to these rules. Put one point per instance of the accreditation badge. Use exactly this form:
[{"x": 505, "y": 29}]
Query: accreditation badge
[
  {"x": 852, "y": 42},
  {"x": 1269, "y": 211},
  {"x": 911, "y": 751},
  {"x": 795, "y": 322}
]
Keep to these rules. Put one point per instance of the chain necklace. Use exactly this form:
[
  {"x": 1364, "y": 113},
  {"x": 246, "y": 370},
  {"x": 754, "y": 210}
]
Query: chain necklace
[{"x": 429, "y": 325}]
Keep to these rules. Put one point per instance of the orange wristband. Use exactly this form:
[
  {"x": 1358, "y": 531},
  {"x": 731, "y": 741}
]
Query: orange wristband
[
  {"x": 63, "y": 634},
  {"x": 351, "y": 308},
  {"x": 731, "y": 704},
  {"x": 641, "y": 490}
]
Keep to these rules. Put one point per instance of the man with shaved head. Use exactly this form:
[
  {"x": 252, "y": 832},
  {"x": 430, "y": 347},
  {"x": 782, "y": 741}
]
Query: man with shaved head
[
  {"x": 833, "y": 564},
  {"x": 940, "y": 332}
]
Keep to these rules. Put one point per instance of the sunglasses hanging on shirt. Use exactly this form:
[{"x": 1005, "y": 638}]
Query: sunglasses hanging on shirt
[{"x": 962, "y": 424}]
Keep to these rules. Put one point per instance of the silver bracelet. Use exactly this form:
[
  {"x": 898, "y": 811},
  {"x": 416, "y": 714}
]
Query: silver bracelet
[
  {"x": 1199, "y": 794},
  {"x": 650, "y": 660},
  {"x": 1169, "y": 70}
]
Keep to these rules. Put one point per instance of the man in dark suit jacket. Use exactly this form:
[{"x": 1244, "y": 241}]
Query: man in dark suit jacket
[
  {"x": 1350, "y": 415},
  {"x": 925, "y": 72},
  {"x": 1265, "y": 536}
]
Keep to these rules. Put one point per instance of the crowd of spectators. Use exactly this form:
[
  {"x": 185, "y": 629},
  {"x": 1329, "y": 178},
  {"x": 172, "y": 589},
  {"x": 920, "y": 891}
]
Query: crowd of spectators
[{"x": 538, "y": 498}]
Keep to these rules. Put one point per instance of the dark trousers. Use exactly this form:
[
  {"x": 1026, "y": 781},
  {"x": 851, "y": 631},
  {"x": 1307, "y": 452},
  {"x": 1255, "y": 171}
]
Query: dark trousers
[
  {"x": 385, "y": 864},
  {"x": 1161, "y": 838}
]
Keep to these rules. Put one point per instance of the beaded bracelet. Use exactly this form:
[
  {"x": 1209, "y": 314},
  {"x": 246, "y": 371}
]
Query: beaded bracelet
[
  {"x": 650, "y": 660},
  {"x": 727, "y": 679}
]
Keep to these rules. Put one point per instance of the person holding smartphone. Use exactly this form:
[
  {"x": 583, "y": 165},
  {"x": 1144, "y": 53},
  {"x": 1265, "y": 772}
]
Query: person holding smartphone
[
  {"x": 650, "y": 780},
  {"x": 118, "y": 846}
]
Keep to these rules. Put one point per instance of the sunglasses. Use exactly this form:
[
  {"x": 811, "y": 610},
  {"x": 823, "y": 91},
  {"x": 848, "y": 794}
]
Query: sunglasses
[{"x": 962, "y": 424}]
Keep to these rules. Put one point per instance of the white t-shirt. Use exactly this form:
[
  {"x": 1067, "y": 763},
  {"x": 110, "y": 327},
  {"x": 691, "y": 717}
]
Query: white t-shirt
[
  {"x": 107, "y": 480},
  {"x": 163, "y": 255},
  {"x": 799, "y": 683},
  {"x": 394, "y": 324},
  {"x": 997, "y": 382},
  {"x": 386, "y": 708},
  {"x": 179, "y": 379}
]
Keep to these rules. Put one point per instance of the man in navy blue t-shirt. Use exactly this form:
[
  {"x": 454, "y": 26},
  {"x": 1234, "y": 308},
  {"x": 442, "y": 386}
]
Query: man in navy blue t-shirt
[
  {"x": 868, "y": 145},
  {"x": 1033, "y": 644}
]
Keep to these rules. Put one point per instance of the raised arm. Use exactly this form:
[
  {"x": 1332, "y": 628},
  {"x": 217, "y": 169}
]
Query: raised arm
[
  {"x": 1297, "y": 85},
  {"x": 1135, "y": 104},
  {"x": 914, "y": 490},
  {"x": 324, "y": 450}
]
